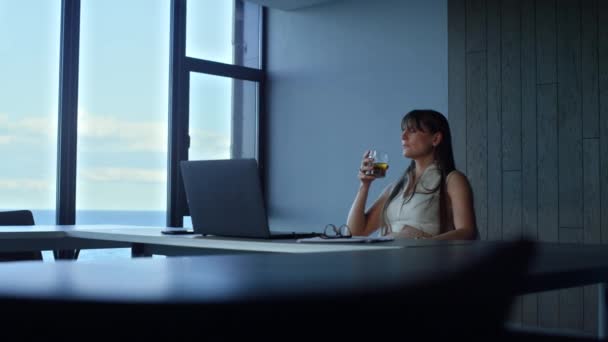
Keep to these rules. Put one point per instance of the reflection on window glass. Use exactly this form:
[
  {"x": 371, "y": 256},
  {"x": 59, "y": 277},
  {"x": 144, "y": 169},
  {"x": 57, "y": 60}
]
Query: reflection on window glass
[
  {"x": 29, "y": 84},
  {"x": 210, "y": 117},
  {"x": 122, "y": 112},
  {"x": 223, "y": 119},
  {"x": 224, "y": 31}
]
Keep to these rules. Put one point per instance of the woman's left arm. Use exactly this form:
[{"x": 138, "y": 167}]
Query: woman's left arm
[{"x": 461, "y": 197}]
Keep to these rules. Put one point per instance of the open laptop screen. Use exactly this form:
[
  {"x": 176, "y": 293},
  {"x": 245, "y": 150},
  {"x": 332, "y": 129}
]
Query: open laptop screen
[{"x": 225, "y": 197}]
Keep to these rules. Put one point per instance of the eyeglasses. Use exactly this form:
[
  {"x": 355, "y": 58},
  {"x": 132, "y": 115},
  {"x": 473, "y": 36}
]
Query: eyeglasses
[{"x": 333, "y": 232}]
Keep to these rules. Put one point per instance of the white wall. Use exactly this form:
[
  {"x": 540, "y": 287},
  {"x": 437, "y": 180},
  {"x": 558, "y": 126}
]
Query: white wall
[{"x": 341, "y": 76}]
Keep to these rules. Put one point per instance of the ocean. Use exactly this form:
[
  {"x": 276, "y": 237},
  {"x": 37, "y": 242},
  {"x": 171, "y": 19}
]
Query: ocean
[{"x": 131, "y": 218}]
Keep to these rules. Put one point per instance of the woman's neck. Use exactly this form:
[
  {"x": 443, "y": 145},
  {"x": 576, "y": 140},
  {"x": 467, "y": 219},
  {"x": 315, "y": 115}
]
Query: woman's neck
[{"x": 422, "y": 164}]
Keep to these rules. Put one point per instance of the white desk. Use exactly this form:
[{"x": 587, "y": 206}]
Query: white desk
[
  {"x": 558, "y": 265},
  {"x": 148, "y": 240},
  {"x": 265, "y": 296}
]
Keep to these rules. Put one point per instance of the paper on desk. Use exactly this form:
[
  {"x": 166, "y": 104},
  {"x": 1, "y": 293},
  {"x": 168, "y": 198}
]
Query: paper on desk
[{"x": 354, "y": 239}]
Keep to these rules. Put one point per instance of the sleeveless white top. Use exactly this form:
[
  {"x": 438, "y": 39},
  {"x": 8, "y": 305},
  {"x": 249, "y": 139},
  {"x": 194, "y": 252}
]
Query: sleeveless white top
[{"x": 420, "y": 210}]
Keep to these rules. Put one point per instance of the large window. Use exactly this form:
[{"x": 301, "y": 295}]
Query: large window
[
  {"x": 122, "y": 112},
  {"x": 29, "y": 80},
  {"x": 107, "y": 65},
  {"x": 224, "y": 31}
]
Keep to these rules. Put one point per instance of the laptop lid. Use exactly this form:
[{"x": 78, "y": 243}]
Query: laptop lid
[{"x": 225, "y": 197}]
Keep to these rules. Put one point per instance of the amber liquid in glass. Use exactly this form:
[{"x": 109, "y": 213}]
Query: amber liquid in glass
[{"x": 380, "y": 170}]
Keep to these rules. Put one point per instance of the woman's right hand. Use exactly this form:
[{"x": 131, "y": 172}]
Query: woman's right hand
[{"x": 367, "y": 164}]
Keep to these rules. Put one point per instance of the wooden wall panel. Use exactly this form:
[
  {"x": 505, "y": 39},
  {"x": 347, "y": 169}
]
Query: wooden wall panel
[
  {"x": 569, "y": 114},
  {"x": 589, "y": 69},
  {"x": 477, "y": 148},
  {"x": 475, "y": 25},
  {"x": 546, "y": 39},
  {"x": 457, "y": 81},
  {"x": 603, "y": 98},
  {"x": 494, "y": 228},
  {"x": 529, "y": 157},
  {"x": 528, "y": 97},
  {"x": 592, "y": 228},
  {"x": 511, "y": 84}
]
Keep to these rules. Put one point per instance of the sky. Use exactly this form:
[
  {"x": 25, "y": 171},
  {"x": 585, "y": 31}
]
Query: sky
[{"x": 123, "y": 99}]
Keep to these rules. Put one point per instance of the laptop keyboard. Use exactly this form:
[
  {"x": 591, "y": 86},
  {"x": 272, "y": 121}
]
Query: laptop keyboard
[{"x": 293, "y": 235}]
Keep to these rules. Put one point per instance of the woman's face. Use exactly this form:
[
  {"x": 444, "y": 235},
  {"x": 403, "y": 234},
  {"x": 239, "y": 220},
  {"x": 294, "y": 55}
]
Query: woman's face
[{"x": 416, "y": 143}]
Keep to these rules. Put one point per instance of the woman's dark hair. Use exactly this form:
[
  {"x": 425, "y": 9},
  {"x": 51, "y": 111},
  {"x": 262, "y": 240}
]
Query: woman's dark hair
[{"x": 429, "y": 121}]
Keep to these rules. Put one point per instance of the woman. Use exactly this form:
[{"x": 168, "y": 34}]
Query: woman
[{"x": 431, "y": 200}]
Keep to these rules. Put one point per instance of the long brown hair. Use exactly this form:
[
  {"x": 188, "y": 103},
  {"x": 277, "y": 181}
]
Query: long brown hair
[{"x": 429, "y": 121}]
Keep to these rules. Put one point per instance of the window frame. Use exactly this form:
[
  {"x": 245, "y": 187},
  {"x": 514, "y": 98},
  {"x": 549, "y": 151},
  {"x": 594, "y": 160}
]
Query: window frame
[
  {"x": 178, "y": 111},
  {"x": 179, "y": 99}
]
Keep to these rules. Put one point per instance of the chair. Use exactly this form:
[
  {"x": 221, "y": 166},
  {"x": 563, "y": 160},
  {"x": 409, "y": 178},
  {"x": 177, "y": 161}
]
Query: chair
[{"x": 18, "y": 218}]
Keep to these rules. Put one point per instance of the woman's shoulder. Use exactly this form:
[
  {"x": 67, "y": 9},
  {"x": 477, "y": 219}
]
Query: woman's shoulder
[{"x": 456, "y": 178}]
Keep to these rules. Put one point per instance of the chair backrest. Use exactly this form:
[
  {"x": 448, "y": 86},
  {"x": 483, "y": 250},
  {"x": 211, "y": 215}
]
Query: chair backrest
[{"x": 18, "y": 218}]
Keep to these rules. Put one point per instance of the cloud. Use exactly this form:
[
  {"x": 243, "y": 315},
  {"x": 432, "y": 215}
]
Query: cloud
[
  {"x": 6, "y": 139},
  {"x": 145, "y": 136},
  {"x": 117, "y": 174},
  {"x": 123, "y": 135},
  {"x": 209, "y": 145},
  {"x": 29, "y": 130},
  {"x": 42, "y": 126},
  {"x": 25, "y": 184},
  {"x": 111, "y": 134}
]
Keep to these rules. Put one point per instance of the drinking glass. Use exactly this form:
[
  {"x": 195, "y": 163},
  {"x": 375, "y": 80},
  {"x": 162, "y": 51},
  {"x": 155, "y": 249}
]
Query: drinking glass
[{"x": 380, "y": 160}]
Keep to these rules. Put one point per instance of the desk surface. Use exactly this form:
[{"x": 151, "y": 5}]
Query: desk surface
[
  {"x": 556, "y": 265},
  {"x": 309, "y": 271},
  {"x": 242, "y": 276},
  {"x": 152, "y": 235},
  {"x": 268, "y": 295},
  {"x": 233, "y": 277}
]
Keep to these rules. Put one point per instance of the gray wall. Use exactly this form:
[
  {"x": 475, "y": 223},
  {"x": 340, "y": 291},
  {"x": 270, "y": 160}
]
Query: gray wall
[
  {"x": 528, "y": 96},
  {"x": 341, "y": 76}
]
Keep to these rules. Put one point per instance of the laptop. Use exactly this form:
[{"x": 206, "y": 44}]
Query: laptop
[{"x": 225, "y": 199}]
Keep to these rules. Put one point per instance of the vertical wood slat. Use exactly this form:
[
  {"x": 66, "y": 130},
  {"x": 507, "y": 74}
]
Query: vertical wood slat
[
  {"x": 511, "y": 84},
  {"x": 476, "y": 108},
  {"x": 546, "y": 102},
  {"x": 592, "y": 228},
  {"x": 475, "y": 25},
  {"x": 589, "y": 70},
  {"x": 512, "y": 212},
  {"x": 546, "y": 76},
  {"x": 494, "y": 230},
  {"x": 548, "y": 302},
  {"x": 603, "y": 127},
  {"x": 457, "y": 80},
  {"x": 571, "y": 300},
  {"x": 569, "y": 114},
  {"x": 603, "y": 98},
  {"x": 545, "y": 42},
  {"x": 528, "y": 72},
  {"x": 591, "y": 189},
  {"x": 529, "y": 158},
  {"x": 477, "y": 153}
]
